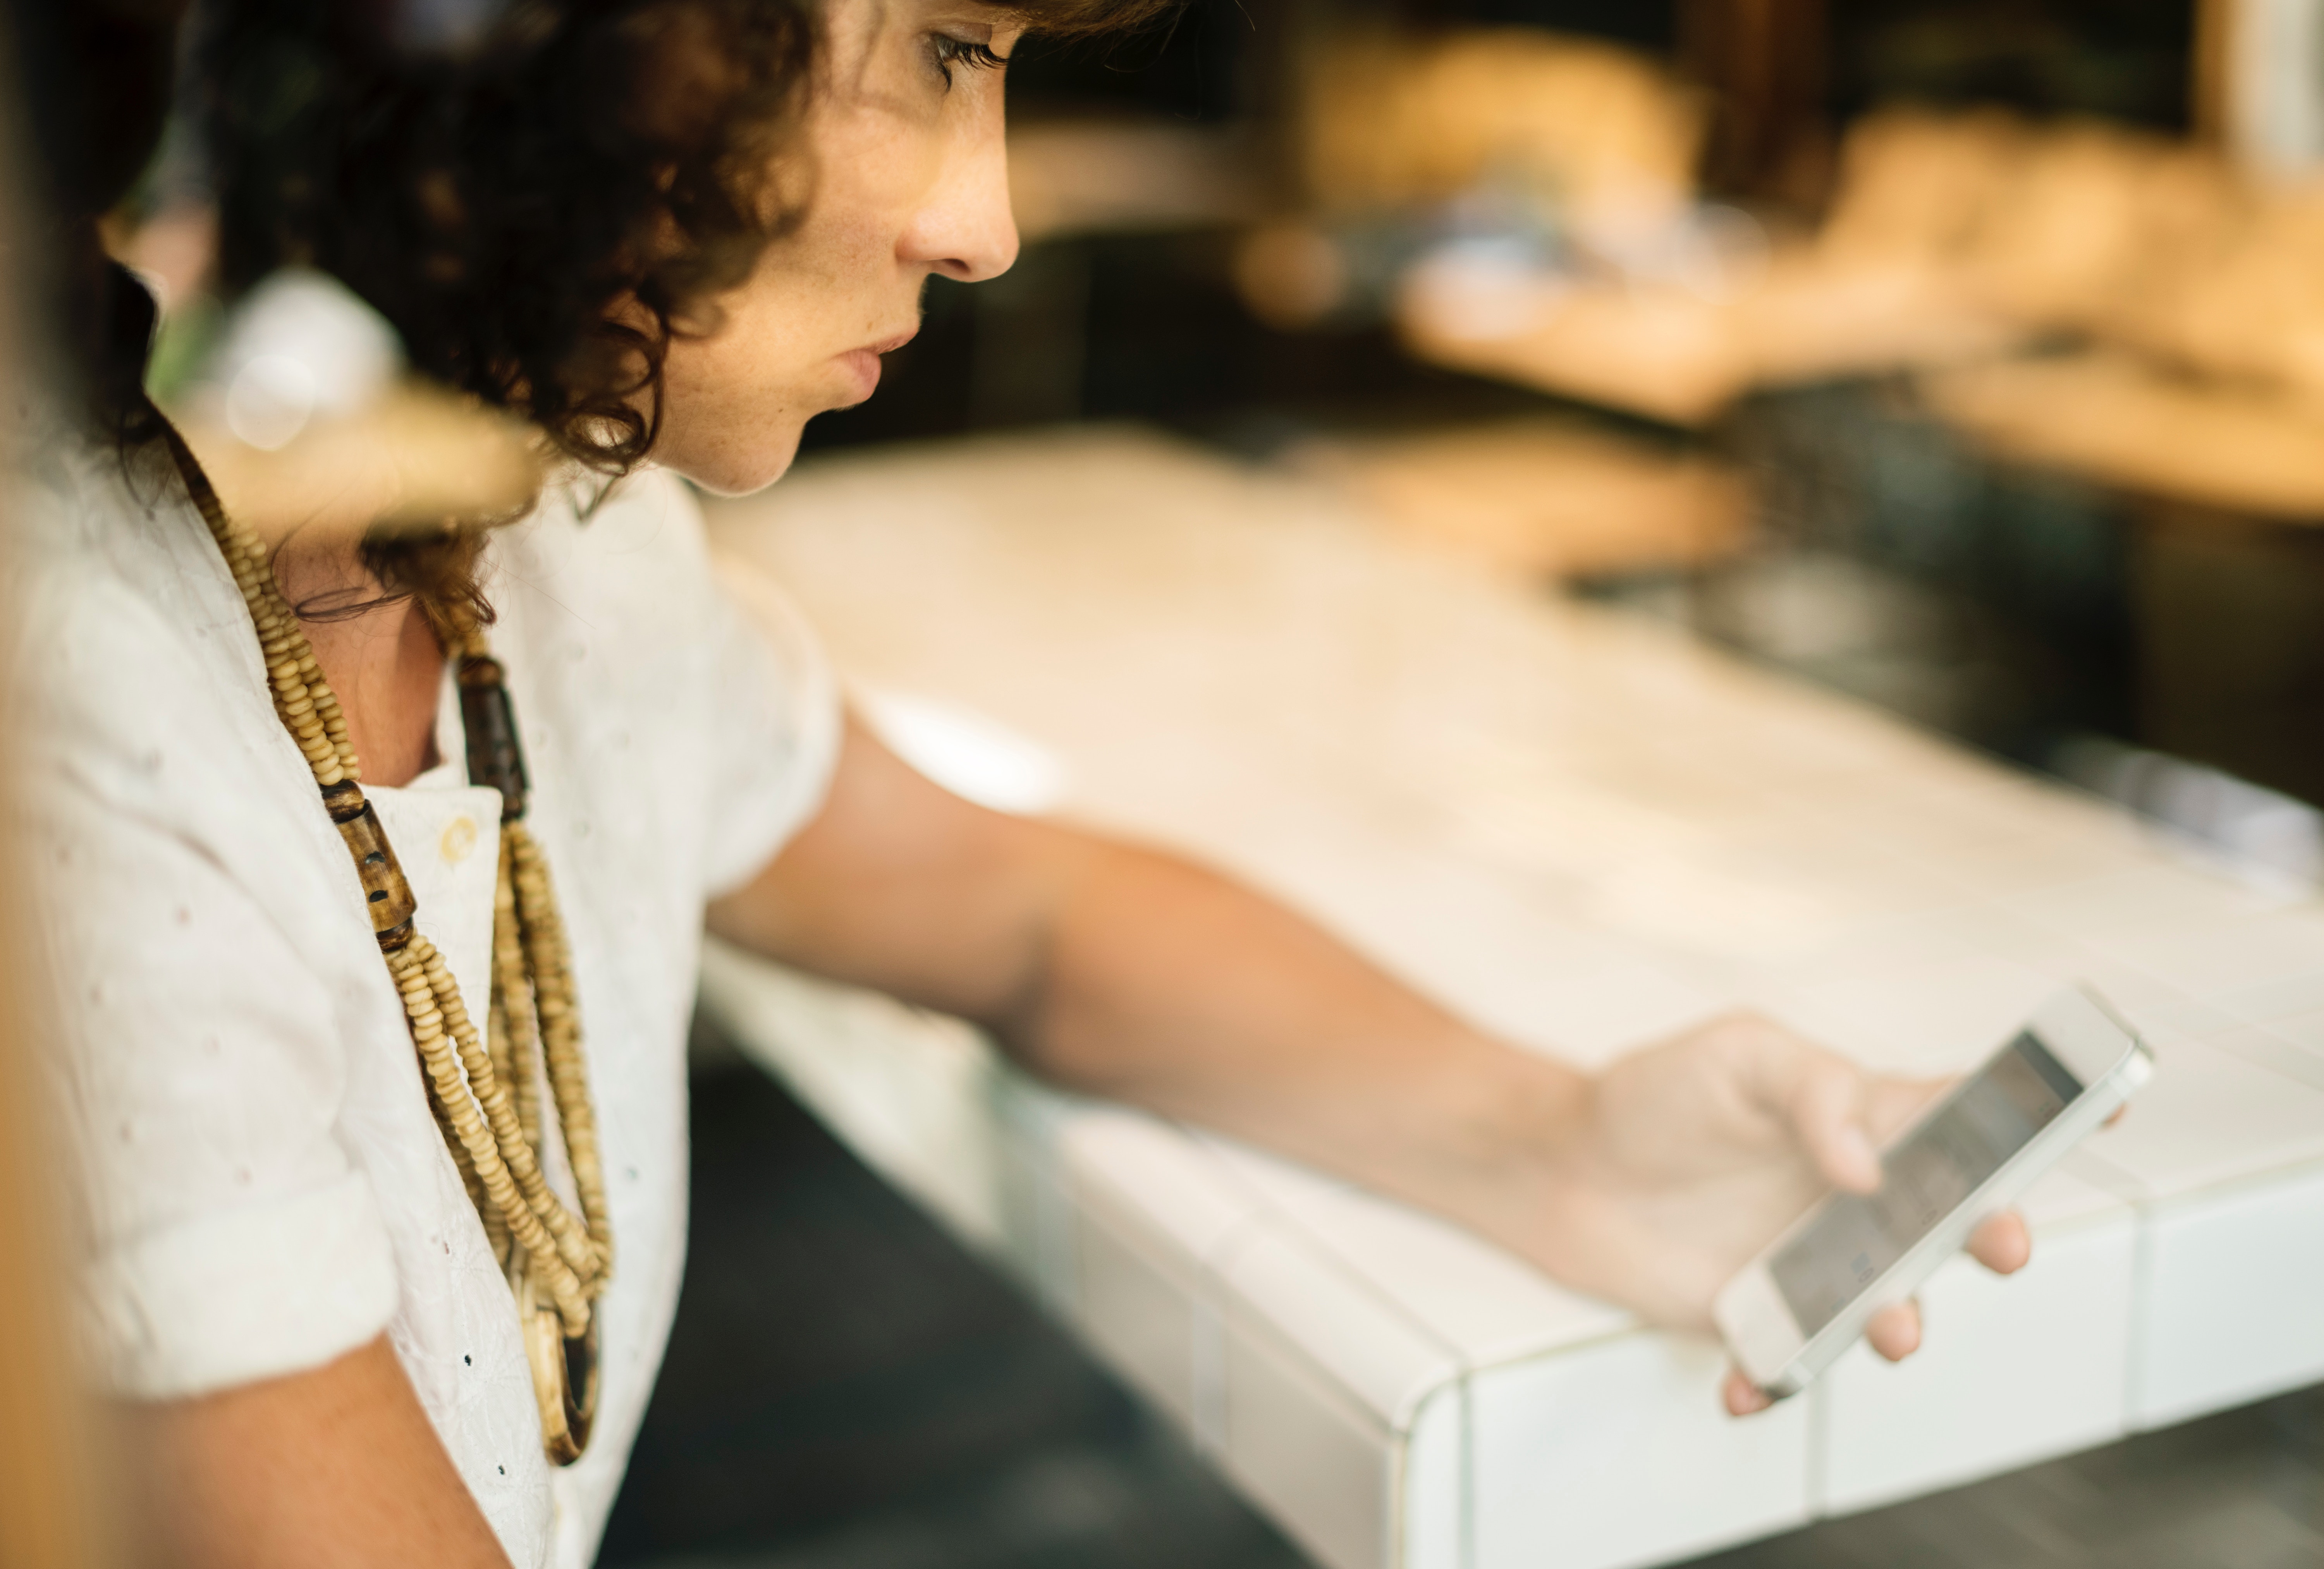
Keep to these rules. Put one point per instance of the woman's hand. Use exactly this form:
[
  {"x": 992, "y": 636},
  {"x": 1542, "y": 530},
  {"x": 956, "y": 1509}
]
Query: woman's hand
[{"x": 1684, "y": 1159}]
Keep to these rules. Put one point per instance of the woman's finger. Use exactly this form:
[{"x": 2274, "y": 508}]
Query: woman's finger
[
  {"x": 1826, "y": 1108},
  {"x": 2002, "y": 1243},
  {"x": 1894, "y": 1103},
  {"x": 1743, "y": 1398},
  {"x": 1894, "y": 1331}
]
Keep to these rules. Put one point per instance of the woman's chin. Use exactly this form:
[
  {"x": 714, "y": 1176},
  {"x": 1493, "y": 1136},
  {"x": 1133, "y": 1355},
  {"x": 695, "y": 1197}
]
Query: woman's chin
[{"x": 741, "y": 468}]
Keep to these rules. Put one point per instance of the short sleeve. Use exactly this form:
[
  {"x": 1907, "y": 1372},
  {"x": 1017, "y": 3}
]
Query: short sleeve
[
  {"x": 226, "y": 1235},
  {"x": 776, "y": 742}
]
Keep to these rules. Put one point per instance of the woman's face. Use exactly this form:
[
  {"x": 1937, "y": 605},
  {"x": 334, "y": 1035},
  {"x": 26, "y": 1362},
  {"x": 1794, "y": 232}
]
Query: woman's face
[{"x": 910, "y": 178}]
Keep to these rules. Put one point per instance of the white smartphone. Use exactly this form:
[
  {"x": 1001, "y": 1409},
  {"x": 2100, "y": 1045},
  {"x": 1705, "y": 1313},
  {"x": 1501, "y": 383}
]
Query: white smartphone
[{"x": 1796, "y": 1307}]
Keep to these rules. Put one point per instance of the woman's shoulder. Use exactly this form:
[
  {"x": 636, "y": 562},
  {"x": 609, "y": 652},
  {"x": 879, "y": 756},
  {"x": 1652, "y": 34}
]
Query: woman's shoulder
[
  {"x": 108, "y": 555},
  {"x": 129, "y": 643},
  {"x": 645, "y": 675},
  {"x": 618, "y": 561}
]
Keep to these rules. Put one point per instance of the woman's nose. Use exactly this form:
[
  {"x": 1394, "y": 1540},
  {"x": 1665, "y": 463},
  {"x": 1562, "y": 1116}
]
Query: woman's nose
[{"x": 965, "y": 229}]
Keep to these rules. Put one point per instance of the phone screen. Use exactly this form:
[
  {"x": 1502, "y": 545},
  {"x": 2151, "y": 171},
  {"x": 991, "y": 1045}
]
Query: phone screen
[{"x": 1987, "y": 1120}]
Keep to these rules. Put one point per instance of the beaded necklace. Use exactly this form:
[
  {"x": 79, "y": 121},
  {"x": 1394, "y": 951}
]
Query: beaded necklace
[{"x": 485, "y": 1092}]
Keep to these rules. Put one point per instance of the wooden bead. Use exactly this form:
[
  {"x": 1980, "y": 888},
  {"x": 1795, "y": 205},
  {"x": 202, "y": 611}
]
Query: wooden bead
[
  {"x": 495, "y": 756},
  {"x": 385, "y": 888}
]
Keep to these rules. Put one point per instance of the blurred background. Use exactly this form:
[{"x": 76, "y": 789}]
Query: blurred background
[{"x": 1965, "y": 356}]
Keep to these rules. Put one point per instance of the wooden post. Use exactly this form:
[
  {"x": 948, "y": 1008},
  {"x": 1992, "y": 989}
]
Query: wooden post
[
  {"x": 2254, "y": 92},
  {"x": 48, "y": 1513},
  {"x": 1764, "y": 62},
  {"x": 2210, "y": 114}
]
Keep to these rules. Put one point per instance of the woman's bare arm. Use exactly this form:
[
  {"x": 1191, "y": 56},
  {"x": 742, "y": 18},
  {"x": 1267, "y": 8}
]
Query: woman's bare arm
[
  {"x": 1136, "y": 975},
  {"x": 1132, "y": 974},
  {"x": 336, "y": 1468}
]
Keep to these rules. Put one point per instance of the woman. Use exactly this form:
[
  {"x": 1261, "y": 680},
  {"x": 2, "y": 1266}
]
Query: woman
[{"x": 668, "y": 232}]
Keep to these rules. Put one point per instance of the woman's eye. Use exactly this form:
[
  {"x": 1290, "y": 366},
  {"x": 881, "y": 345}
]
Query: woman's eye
[{"x": 950, "y": 52}]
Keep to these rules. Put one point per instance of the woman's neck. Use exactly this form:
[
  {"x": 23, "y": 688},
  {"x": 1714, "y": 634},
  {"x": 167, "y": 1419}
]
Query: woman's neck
[{"x": 385, "y": 664}]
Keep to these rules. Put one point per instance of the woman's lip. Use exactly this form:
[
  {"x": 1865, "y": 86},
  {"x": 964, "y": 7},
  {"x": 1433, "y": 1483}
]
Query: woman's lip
[{"x": 863, "y": 364}]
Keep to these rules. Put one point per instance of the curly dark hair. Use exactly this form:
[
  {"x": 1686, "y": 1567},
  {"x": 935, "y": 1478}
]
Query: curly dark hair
[{"x": 496, "y": 202}]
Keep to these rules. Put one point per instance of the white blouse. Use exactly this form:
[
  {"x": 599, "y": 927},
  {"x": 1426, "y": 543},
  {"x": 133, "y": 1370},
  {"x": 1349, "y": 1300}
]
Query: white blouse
[{"x": 264, "y": 1187}]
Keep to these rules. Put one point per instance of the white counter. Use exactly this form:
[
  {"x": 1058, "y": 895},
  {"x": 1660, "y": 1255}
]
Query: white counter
[{"x": 1583, "y": 831}]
